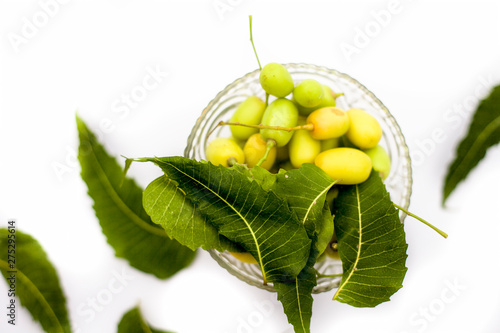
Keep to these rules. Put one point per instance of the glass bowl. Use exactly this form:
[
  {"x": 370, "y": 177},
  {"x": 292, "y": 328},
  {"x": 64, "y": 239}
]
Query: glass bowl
[{"x": 398, "y": 182}]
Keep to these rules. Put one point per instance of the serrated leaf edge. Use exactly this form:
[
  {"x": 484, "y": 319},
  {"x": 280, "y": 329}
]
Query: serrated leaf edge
[
  {"x": 114, "y": 196},
  {"x": 482, "y": 137},
  {"x": 259, "y": 260},
  {"x": 21, "y": 276}
]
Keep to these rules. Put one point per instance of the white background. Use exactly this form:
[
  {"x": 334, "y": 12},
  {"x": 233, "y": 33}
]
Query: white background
[{"x": 428, "y": 61}]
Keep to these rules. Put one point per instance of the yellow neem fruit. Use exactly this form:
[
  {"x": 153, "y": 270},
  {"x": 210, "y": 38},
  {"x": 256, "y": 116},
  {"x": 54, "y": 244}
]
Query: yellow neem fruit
[
  {"x": 347, "y": 165},
  {"x": 254, "y": 150},
  {"x": 303, "y": 148},
  {"x": 329, "y": 122},
  {"x": 364, "y": 130},
  {"x": 220, "y": 150},
  {"x": 244, "y": 256}
]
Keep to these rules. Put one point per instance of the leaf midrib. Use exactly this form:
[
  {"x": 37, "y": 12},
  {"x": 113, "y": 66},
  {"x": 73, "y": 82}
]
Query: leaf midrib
[
  {"x": 481, "y": 138},
  {"x": 298, "y": 302},
  {"x": 236, "y": 211},
  {"x": 20, "y": 275},
  {"x": 314, "y": 202},
  {"x": 360, "y": 242},
  {"x": 117, "y": 199}
]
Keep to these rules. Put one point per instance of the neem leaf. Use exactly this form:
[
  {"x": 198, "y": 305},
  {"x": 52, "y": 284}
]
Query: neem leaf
[
  {"x": 371, "y": 244},
  {"x": 118, "y": 206},
  {"x": 484, "y": 132},
  {"x": 296, "y": 294},
  {"x": 296, "y": 298},
  {"x": 35, "y": 279},
  {"x": 326, "y": 229},
  {"x": 168, "y": 206},
  {"x": 264, "y": 178},
  {"x": 305, "y": 191},
  {"x": 242, "y": 211},
  {"x": 132, "y": 322}
]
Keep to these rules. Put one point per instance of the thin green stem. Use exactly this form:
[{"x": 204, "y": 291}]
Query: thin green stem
[
  {"x": 308, "y": 127},
  {"x": 319, "y": 275},
  {"x": 251, "y": 40},
  {"x": 442, "y": 233},
  {"x": 232, "y": 161},
  {"x": 270, "y": 145}
]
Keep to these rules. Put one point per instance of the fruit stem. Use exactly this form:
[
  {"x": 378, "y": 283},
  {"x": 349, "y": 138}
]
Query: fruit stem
[
  {"x": 442, "y": 233},
  {"x": 319, "y": 275},
  {"x": 270, "y": 145},
  {"x": 128, "y": 163},
  {"x": 337, "y": 95},
  {"x": 232, "y": 161},
  {"x": 251, "y": 40},
  {"x": 308, "y": 127}
]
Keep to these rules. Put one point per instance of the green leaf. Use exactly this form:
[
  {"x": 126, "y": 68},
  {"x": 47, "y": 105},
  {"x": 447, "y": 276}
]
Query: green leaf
[
  {"x": 243, "y": 212},
  {"x": 132, "y": 322},
  {"x": 36, "y": 282},
  {"x": 371, "y": 244},
  {"x": 484, "y": 132},
  {"x": 305, "y": 191},
  {"x": 167, "y": 205},
  {"x": 264, "y": 178},
  {"x": 118, "y": 206},
  {"x": 296, "y": 294},
  {"x": 296, "y": 298},
  {"x": 326, "y": 229}
]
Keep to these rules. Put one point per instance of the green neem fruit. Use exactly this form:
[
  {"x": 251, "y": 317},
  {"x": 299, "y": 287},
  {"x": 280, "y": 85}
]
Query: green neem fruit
[
  {"x": 308, "y": 93},
  {"x": 329, "y": 99},
  {"x": 329, "y": 96},
  {"x": 347, "y": 165},
  {"x": 303, "y": 148},
  {"x": 329, "y": 122},
  {"x": 364, "y": 130},
  {"x": 249, "y": 112},
  {"x": 221, "y": 150},
  {"x": 330, "y": 143},
  {"x": 281, "y": 112},
  {"x": 380, "y": 160},
  {"x": 254, "y": 150},
  {"x": 276, "y": 80}
]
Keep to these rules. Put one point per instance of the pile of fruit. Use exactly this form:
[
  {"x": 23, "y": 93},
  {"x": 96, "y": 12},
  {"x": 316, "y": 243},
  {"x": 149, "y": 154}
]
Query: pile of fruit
[
  {"x": 305, "y": 128},
  {"x": 301, "y": 124}
]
